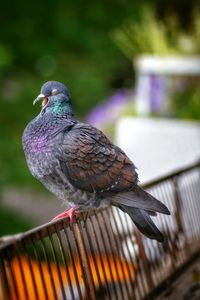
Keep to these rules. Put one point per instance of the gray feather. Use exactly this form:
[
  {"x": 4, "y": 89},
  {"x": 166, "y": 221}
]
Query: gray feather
[
  {"x": 143, "y": 222},
  {"x": 140, "y": 199}
]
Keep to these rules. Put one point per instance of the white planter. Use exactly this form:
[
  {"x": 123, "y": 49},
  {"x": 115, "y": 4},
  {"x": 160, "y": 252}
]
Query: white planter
[{"x": 162, "y": 67}]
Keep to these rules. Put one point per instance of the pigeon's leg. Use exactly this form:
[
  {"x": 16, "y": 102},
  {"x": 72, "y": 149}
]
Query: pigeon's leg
[{"x": 70, "y": 213}]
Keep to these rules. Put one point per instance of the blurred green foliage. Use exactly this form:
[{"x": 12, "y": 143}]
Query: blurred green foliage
[
  {"x": 158, "y": 37},
  {"x": 18, "y": 223},
  {"x": 66, "y": 41},
  {"x": 164, "y": 37},
  {"x": 69, "y": 41},
  {"x": 186, "y": 100}
]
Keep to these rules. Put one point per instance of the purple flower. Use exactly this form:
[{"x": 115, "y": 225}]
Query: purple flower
[
  {"x": 157, "y": 92},
  {"x": 109, "y": 110}
]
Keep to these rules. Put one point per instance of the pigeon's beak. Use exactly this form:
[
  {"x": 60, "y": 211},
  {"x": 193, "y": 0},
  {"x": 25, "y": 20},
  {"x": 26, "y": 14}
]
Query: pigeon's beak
[{"x": 39, "y": 98}]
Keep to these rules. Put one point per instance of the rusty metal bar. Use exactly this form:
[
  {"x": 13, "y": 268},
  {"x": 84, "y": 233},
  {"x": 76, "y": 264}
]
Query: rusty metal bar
[
  {"x": 139, "y": 270},
  {"x": 107, "y": 256},
  {"x": 96, "y": 239},
  {"x": 98, "y": 261},
  {"x": 52, "y": 244},
  {"x": 92, "y": 250},
  {"x": 127, "y": 263},
  {"x": 6, "y": 292},
  {"x": 65, "y": 263},
  {"x": 31, "y": 272},
  {"x": 178, "y": 206},
  {"x": 47, "y": 259},
  {"x": 30, "y": 234},
  {"x": 116, "y": 247},
  {"x": 22, "y": 274},
  {"x": 85, "y": 260},
  {"x": 13, "y": 276},
  {"x": 194, "y": 205},
  {"x": 72, "y": 259},
  {"x": 112, "y": 250},
  {"x": 144, "y": 260},
  {"x": 40, "y": 269}
]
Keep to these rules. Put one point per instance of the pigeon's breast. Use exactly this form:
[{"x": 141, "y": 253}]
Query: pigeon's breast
[
  {"x": 39, "y": 144},
  {"x": 41, "y": 156}
]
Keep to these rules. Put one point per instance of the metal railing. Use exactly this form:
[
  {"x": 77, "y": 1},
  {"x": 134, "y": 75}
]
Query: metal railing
[{"x": 104, "y": 256}]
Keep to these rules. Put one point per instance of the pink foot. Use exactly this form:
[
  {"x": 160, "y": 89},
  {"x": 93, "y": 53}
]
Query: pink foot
[{"x": 70, "y": 213}]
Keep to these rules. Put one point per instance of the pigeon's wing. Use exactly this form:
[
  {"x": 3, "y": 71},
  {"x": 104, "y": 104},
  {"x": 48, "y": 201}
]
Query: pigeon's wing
[{"x": 92, "y": 163}]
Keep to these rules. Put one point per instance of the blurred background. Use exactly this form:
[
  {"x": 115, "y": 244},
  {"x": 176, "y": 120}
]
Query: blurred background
[{"x": 132, "y": 68}]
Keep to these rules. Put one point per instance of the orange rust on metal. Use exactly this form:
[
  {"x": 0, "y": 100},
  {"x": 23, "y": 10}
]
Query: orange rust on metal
[
  {"x": 85, "y": 261},
  {"x": 105, "y": 256}
]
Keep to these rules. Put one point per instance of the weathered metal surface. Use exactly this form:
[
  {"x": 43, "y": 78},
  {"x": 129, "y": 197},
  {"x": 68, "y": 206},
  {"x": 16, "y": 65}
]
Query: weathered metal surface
[{"x": 105, "y": 257}]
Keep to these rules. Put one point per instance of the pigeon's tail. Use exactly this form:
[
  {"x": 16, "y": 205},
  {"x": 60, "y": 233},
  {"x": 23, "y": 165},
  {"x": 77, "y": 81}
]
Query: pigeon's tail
[
  {"x": 143, "y": 222},
  {"x": 140, "y": 205}
]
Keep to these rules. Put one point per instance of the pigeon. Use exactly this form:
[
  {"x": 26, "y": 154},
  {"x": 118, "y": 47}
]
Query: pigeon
[{"x": 81, "y": 166}]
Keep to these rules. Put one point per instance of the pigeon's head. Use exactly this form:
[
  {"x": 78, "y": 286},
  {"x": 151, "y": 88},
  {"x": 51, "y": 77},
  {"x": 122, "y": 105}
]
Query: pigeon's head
[{"x": 55, "y": 96}]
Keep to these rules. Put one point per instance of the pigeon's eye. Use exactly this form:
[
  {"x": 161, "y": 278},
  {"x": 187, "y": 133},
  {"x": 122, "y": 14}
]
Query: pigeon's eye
[{"x": 45, "y": 102}]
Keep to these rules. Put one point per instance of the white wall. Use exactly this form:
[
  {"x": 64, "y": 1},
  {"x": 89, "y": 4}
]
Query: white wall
[{"x": 158, "y": 146}]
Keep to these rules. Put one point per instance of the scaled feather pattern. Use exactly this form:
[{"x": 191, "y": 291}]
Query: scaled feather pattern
[{"x": 81, "y": 166}]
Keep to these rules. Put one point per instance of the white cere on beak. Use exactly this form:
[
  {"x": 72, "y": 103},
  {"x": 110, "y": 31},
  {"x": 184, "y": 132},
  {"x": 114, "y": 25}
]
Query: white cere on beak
[{"x": 54, "y": 92}]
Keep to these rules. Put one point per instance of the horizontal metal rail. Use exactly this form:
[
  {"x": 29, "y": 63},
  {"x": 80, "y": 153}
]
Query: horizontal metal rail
[{"x": 104, "y": 256}]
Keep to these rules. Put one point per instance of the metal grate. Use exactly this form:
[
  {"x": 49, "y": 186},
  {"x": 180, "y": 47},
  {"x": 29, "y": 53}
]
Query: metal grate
[{"x": 105, "y": 257}]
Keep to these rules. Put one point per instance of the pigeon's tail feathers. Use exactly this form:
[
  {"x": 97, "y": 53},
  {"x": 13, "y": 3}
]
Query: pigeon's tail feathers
[
  {"x": 138, "y": 198},
  {"x": 143, "y": 222},
  {"x": 140, "y": 205}
]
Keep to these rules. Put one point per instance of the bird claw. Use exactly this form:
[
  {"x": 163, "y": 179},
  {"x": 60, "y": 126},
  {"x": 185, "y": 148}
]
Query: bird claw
[{"x": 70, "y": 213}]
